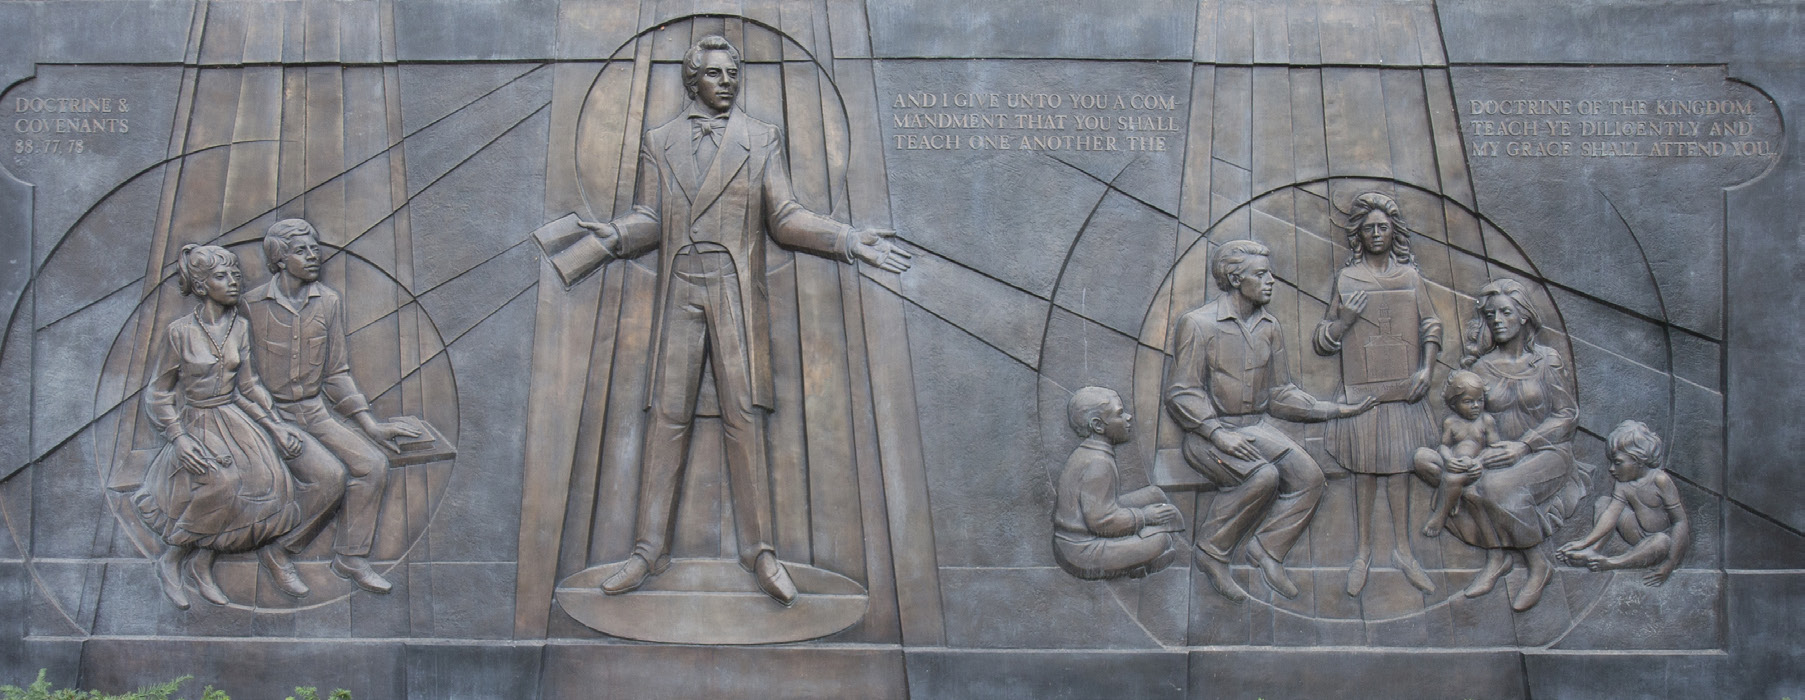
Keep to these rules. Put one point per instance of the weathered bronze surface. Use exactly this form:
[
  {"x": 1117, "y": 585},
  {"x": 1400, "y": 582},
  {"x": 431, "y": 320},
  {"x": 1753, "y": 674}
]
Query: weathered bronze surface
[{"x": 913, "y": 348}]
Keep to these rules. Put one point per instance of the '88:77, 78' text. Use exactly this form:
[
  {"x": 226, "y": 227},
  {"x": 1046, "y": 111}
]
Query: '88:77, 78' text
[{"x": 49, "y": 146}]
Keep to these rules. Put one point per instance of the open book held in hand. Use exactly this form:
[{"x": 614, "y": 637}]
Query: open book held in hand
[{"x": 573, "y": 251}]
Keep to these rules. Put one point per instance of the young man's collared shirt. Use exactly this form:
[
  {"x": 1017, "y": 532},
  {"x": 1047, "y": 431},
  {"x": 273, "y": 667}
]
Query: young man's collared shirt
[
  {"x": 300, "y": 350},
  {"x": 1227, "y": 366}
]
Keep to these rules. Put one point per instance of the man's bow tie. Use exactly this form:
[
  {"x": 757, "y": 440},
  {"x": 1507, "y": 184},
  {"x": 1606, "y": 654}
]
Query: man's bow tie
[{"x": 701, "y": 126}]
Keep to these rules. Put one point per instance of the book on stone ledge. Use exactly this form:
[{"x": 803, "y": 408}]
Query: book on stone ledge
[{"x": 429, "y": 446}]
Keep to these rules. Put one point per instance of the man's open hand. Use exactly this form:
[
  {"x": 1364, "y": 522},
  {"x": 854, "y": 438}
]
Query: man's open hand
[{"x": 877, "y": 247}]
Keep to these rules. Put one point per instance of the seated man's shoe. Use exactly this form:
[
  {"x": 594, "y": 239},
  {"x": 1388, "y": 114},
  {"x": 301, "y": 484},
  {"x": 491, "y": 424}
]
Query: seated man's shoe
[
  {"x": 283, "y": 571},
  {"x": 773, "y": 579},
  {"x": 1270, "y": 569},
  {"x": 633, "y": 573},
  {"x": 358, "y": 571},
  {"x": 1217, "y": 572}
]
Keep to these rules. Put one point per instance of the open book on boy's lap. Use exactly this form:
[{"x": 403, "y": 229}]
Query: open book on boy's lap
[{"x": 1152, "y": 529}]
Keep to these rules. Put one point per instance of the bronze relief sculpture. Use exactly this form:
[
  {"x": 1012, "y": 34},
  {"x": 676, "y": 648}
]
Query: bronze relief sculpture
[
  {"x": 1381, "y": 323},
  {"x": 1524, "y": 488},
  {"x": 220, "y": 492},
  {"x": 1098, "y": 531},
  {"x": 712, "y": 183},
  {"x": 1229, "y": 374},
  {"x": 1467, "y": 431},
  {"x": 1500, "y": 466},
  {"x": 724, "y": 472},
  {"x": 298, "y": 333},
  {"x": 725, "y": 435},
  {"x": 1644, "y": 509},
  {"x": 219, "y": 485}
]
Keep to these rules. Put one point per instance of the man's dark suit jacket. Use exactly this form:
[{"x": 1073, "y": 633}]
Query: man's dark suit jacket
[{"x": 744, "y": 194}]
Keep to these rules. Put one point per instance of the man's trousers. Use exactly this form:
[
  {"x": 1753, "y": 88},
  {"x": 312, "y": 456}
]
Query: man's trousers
[
  {"x": 704, "y": 320},
  {"x": 342, "y": 473}
]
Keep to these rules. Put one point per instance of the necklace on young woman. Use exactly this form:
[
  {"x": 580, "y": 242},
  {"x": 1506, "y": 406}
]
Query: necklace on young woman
[{"x": 219, "y": 346}]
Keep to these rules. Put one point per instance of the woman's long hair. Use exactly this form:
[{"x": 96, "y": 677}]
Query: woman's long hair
[
  {"x": 1366, "y": 204},
  {"x": 1518, "y": 296}
]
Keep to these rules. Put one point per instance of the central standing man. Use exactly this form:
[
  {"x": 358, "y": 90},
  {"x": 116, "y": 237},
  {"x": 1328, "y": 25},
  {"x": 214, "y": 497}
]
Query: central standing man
[{"x": 711, "y": 183}]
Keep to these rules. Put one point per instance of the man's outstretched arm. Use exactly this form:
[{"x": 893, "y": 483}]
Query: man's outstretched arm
[{"x": 793, "y": 225}]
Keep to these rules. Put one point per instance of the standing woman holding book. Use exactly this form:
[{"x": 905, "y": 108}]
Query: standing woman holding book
[{"x": 1381, "y": 323}]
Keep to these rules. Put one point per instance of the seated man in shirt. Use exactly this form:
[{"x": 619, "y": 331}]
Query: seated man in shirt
[
  {"x": 298, "y": 343},
  {"x": 1229, "y": 375}
]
